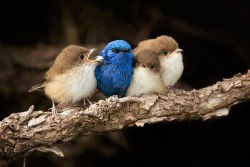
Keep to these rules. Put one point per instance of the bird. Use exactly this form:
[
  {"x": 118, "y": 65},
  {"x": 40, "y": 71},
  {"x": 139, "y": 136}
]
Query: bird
[
  {"x": 169, "y": 54},
  {"x": 115, "y": 72},
  {"x": 71, "y": 77},
  {"x": 146, "y": 78}
]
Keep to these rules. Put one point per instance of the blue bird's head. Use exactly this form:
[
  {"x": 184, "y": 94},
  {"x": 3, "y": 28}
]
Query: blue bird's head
[{"x": 117, "y": 50}]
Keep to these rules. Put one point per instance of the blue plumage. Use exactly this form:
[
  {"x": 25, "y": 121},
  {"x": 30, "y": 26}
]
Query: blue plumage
[{"x": 115, "y": 73}]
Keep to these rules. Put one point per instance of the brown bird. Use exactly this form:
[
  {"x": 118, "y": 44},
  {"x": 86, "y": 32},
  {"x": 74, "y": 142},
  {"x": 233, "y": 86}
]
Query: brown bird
[
  {"x": 146, "y": 78},
  {"x": 169, "y": 55},
  {"x": 71, "y": 78}
]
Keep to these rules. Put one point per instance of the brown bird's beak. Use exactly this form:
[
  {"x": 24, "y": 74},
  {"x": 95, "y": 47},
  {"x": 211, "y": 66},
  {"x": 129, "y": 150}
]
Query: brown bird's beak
[
  {"x": 90, "y": 60},
  {"x": 176, "y": 51}
]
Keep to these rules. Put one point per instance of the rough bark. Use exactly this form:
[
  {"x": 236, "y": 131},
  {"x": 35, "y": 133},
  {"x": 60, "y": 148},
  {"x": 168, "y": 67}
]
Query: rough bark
[{"x": 24, "y": 132}]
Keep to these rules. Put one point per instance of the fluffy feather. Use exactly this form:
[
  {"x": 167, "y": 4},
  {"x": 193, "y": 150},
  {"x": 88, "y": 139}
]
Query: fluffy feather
[
  {"x": 115, "y": 73},
  {"x": 73, "y": 86},
  {"x": 146, "y": 78},
  {"x": 71, "y": 78},
  {"x": 171, "y": 68},
  {"x": 145, "y": 82},
  {"x": 169, "y": 55}
]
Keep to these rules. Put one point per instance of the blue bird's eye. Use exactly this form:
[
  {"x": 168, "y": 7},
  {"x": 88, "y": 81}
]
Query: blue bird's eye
[{"x": 115, "y": 50}]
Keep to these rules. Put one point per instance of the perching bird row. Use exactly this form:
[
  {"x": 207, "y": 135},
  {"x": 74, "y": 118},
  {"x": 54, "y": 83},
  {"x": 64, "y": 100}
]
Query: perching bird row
[{"x": 153, "y": 65}]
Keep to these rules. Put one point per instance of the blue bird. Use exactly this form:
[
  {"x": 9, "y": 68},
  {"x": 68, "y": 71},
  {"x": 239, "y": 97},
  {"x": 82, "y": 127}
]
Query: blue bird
[{"x": 115, "y": 73}]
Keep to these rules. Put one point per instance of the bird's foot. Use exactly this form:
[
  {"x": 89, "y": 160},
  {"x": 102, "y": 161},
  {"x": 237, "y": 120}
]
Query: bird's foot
[
  {"x": 55, "y": 113},
  {"x": 87, "y": 99},
  {"x": 85, "y": 102}
]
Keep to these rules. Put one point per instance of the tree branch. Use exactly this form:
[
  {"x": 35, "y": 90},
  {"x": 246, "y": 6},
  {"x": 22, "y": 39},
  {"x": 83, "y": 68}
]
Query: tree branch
[{"x": 24, "y": 132}]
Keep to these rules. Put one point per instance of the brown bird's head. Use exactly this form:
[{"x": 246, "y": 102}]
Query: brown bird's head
[
  {"x": 147, "y": 59},
  {"x": 169, "y": 55},
  {"x": 163, "y": 46},
  {"x": 72, "y": 56}
]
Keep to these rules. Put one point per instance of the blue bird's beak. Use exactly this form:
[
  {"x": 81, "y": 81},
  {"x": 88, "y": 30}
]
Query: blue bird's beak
[
  {"x": 90, "y": 60},
  {"x": 100, "y": 58}
]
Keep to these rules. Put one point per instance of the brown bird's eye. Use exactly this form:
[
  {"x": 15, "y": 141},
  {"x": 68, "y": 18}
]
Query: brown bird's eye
[
  {"x": 165, "y": 52},
  {"x": 81, "y": 56},
  {"x": 151, "y": 67}
]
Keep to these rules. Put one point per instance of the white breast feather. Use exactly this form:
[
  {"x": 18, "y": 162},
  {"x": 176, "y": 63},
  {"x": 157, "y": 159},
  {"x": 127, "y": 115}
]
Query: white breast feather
[
  {"x": 74, "y": 86},
  {"x": 171, "y": 69},
  {"x": 145, "y": 82}
]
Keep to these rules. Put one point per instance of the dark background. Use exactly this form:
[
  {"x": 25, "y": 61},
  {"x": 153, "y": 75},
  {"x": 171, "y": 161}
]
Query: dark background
[{"x": 213, "y": 34}]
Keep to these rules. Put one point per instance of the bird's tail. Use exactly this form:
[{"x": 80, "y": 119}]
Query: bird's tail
[{"x": 36, "y": 87}]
